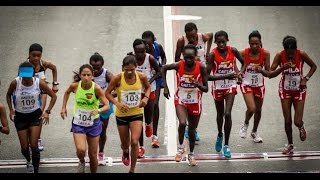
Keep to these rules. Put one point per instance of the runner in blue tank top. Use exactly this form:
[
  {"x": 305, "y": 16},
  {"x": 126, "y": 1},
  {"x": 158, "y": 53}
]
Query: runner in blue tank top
[{"x": 155, "y": 49}]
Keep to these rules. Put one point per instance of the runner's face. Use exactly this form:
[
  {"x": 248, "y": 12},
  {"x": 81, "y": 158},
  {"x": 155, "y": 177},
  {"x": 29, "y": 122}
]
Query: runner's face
[
  {"x": 86, "y": 76},
  {"x": 140, "y": 51},
  {"x": 129, "y": 70},
  {"x": 255, "y": 44},
  {"x": 149, "y": 44},
  {"x": 35, "y": 56},
  {"x": 189, "y": 56},
  {"x": 221, "y": 42},
  {"x": 97, "y": 67},
  {"x": 192, "y": 36}
]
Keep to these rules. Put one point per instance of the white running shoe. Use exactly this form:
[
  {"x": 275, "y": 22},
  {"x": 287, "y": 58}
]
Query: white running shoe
[
  {"x": 243, "y": 130},
  {"x": 81, "y": 167},
  {"x": 256, "y": 138},
  {"x": 30, "y": 167}
]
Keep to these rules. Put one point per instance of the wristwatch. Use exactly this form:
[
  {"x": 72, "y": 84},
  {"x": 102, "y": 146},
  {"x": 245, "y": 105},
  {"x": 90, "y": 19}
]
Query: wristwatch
[
  {"x": 307, "y": 78},
  {"x": 48, "y": 111},
  {"x": 55, "y": 83}
]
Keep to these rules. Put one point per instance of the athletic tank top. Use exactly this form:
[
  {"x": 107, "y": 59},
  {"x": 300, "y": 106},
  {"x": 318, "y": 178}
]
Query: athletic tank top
[
  {"x": 291, "y": 77},
  {"x": 223, "y": 66},
  {"x": 41, "y": 73},
  {"x": 147, "y": 70},
  {"x": 101, "y": 80},
  {"x": 84, "y": 102},
  {"x": 129, "y": 95},
  {"x": 201, "y": 46},
  {"x": 187, "y": 92},
  {"x": 251, "y": 76},
  {"x": 27, "y": 99}
]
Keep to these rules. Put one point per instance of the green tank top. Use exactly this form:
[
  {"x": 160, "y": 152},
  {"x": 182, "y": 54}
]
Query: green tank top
[{"x": 85, "y": 99}]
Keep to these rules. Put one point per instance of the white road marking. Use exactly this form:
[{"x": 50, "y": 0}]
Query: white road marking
[
  {"x": 201, "y": 158},
  {"x": 183, "y": 17},
  {"x": 170, "y": 117}
]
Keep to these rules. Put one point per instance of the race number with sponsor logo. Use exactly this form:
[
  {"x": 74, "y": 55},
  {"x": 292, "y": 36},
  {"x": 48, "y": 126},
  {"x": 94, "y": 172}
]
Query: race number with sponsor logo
[
  {"x": 188, "y": 95},
  {"x": 253, "y": 79},
  {"x": 27, "y": 102},
  {"x": 224, "y": 84},
  {"x": 131, "y": 98},
  {"x": 292, "y": 82},
  {"x": 83, "y": 118}
]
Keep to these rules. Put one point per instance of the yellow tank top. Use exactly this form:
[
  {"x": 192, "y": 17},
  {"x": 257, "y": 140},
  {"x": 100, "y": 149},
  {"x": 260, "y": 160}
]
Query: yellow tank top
[{"x": 129, "y": 95}]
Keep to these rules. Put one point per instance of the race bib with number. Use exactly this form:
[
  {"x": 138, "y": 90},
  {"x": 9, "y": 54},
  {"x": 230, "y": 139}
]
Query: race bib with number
[
  {"x": 131, "y": 98},
  {"x": 188, "y": 95},
  {"x": 224, "y": 84},
  {"x": 27, "y": 102},
  {"x": 292, "y": 83},
  {"x": 83, "y": 118},
  {"x": 253, "y": 79}
]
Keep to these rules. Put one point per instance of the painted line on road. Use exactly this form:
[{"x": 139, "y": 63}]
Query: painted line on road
[
  {"x": 184, "y": 17},
  {"x": 170, "y": 117},
  {"x": 273, "y": 156}
]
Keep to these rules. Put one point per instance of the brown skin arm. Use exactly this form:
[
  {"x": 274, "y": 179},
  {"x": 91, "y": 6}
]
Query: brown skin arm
[
  {"x": 53, "y": 68},
  {"x": 10, "y": 91},
  {"x": 71, "y": 88},
  {"x": 109, "y": 76},
  {"x": 311, "y": 63},
  {"x": 274, "y": 72},
  {"x": 164, "y": 70},
  {"x": 101, "y": 95},
  {"x": 4, "y": 120},
  {"x": 115, "y": 82},
  {"x": 155, "y": 66},
  {"x": 179, "y": 48},
  {"x": 204, "y": 86},
  {"x": 208, "y": 38},
  {"x": 240, "y": 58},
  {"x": 163, "y": 55},
  {"x": 266, "y": 60},
  {"x": 45, "y": 88},
  {"x": 146, "y": 85}
]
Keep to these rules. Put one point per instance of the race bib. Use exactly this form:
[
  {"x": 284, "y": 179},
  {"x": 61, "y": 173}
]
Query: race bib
[
  {"x": 83, "y": 118},
  {"x": 253, "y": 79},
  {"x": 224, "y": 84},
  {"x": 27, "y": 102},
  {"x": 131, "y": 98},
  {"x": 188, "y": 95},
  {"x": 292, "y": 83}
]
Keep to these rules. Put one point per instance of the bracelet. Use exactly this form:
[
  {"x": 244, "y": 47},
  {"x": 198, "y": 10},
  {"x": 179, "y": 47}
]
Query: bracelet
[
  {"x": 99, "y": 111},
  {"x": 55, "y": 83}
]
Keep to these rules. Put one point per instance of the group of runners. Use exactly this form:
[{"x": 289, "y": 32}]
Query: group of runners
[{"x": 136, "y": 90}]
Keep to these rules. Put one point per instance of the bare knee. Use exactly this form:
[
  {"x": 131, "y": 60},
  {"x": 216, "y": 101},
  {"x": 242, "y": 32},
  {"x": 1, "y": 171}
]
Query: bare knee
[
  {"x": 81, "y": 153},
  {"x": 134, "y": 143},
  {"x": 298, "y": 124},
  {"x": 182, "y": 124},
  {"x": 227, "y": 116}
]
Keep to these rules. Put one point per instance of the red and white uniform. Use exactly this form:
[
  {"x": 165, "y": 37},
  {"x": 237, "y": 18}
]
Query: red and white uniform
[
  {"x": 187, "y": 93},
  {"x": 223, "y": 66},
  {"x": 253, "y": 82},
  {"x": 289, "y": 85},
  {"x": 147, "y": 69}
]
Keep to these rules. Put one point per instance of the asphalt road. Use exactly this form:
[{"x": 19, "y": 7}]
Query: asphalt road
[{"x": 70, "y": 35}]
